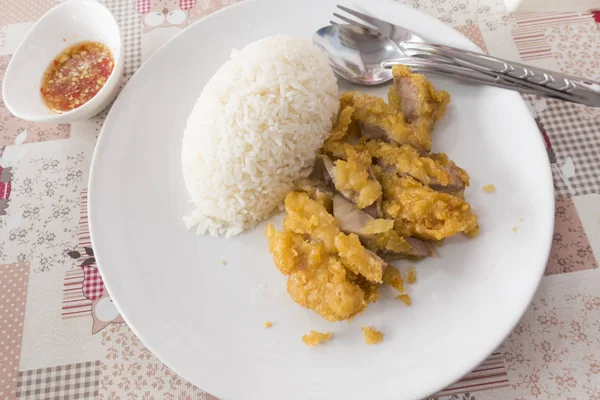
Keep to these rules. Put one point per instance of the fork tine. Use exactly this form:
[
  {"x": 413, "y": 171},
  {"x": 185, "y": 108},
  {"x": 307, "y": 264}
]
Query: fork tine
[
  {"x": 371, "y": 20},
  {"x": 353, "y": 22}
]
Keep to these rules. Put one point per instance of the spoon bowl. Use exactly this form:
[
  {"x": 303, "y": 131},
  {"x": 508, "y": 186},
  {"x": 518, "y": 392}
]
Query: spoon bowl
[{"x": 357, "y": 54}]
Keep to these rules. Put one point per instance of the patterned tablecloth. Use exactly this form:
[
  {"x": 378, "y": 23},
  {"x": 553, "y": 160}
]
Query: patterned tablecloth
[{"x": 61, "y": 336}]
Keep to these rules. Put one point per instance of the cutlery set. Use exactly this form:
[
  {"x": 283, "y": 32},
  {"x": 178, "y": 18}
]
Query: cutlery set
[{"x": 363, "y": 49}]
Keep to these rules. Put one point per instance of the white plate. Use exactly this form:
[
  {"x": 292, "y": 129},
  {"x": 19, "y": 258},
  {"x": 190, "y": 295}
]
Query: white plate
[{"x": 205, "y": 320}]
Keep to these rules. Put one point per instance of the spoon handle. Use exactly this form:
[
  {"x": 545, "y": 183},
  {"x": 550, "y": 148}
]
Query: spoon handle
[{"x": 549, "y": 83}]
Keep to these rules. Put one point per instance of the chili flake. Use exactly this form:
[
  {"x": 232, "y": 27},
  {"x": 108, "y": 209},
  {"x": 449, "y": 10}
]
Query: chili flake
[{"x": 76, "y": 75}]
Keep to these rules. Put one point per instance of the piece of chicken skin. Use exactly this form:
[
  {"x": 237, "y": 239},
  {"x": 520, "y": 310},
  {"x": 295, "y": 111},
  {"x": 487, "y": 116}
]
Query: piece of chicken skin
[
  {"x": 434, "y": 170},
  {"x": 424, "y": 213},
  {"x": 378, "y": 120},
  {"x": 345, "y": 124},
  {"x": 354, "y": 179},
  {"x": 316, "y": 190},
  {"x": 318, "y": 280}
]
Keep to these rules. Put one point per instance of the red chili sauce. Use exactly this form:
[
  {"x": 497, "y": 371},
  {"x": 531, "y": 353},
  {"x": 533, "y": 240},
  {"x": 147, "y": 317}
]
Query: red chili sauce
[{"x": 76, "y": 75}]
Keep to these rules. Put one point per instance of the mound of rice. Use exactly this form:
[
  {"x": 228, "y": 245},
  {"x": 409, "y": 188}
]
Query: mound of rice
[{"x": 255, "y": 128}]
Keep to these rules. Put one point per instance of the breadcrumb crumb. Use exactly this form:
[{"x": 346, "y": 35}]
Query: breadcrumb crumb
[
  {"x": 489, "y": 189},
  {"x": 411, "y": 275},
  {"x": 392, "y": 277},
  {"x": 268, "y": 324},
  {"x": 515, "y": 229},
  {"x": 405, "y": 299},
  {"x": 315, "y": 338},
  {"x": 223, "y": 262},
  {"x": 370, "y": 335}
]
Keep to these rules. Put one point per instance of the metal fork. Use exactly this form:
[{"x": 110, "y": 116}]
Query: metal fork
[
  {"x": 374, "y": 58},
  {"x": 537, "y": 80}
]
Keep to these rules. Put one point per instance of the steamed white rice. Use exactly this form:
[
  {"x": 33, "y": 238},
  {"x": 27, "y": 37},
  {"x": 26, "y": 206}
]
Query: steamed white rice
[{"x": 255, "y": 128}]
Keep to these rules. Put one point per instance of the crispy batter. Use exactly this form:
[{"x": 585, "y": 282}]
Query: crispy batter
[
  {"x": 389, "y": 241},
  {"x": 358, "y": 259},
  {"x": 416, "y": 97},
  {"x": 489, "y": 188},
  {"x": 435, "y": 168},
  {"x": 345, "y": 123},
  {"x": 370, "y": 289},
  {"x": 317, "y": 191},
  {"x": 315, "y": 338},
  {"x": 353, "y": 176},
  {"x": 308, "y": 217},
  {"x": 405, "y": 299},
  {"x": 370, "y": 335},
  {"x": 443, "y": 160},
  {"x": 378, "y": 225},
  {"x": 411, "y": 276},
  {"x": 316, "y": 279},
  {"x": 422, "y": 212},
  {"x": 340, "y": 149},
  {"x": 393, "y": 277},
  {"x": 375, "y": 112}
]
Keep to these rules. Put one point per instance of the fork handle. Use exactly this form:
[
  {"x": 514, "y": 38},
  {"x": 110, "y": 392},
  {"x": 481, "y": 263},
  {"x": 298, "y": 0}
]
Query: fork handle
[{"x": 554, "y": 84}]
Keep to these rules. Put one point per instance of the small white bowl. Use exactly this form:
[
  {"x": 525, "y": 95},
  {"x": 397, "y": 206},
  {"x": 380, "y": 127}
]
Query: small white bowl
[{"x": 66, "y": 24}]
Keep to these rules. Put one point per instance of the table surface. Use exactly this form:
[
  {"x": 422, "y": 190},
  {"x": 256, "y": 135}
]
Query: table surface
[{"x": 62, "y": 338}]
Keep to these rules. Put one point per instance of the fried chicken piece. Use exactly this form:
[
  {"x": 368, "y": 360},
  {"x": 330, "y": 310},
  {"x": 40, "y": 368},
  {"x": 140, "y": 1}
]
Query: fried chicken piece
[
  {"x": 460, "y": 176},
  {"x": 377, "y": 235},
  {"x": 422, "y": 212},
  {"x": 379, "y": 120},
  {"x": 316, "y": 279},
  {"x": 355, "y": 180},
  {"x": 309, "y": 217},
  {"x": 435, "y": 170},
  {"x": 352, "y": 219},
  {"x": 358, "y": 259},
  {"x": 414, "y": 108},
  {"x": 416, "y": 97},
  {"x": 352, "y": 177}
]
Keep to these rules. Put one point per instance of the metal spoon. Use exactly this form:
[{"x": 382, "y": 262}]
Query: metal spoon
[{"x": 365, "y": 57}]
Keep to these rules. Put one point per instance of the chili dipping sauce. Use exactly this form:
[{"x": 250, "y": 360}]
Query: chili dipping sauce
[{"x": 76, "y": 75}]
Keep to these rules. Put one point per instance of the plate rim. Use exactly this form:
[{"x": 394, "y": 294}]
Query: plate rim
[{"x": 102, "y": 139}]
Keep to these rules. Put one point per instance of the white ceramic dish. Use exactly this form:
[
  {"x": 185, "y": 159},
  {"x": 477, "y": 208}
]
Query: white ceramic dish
[
  {"x": 64, "y": 25},
  {"x": 205, "y": 319}
]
